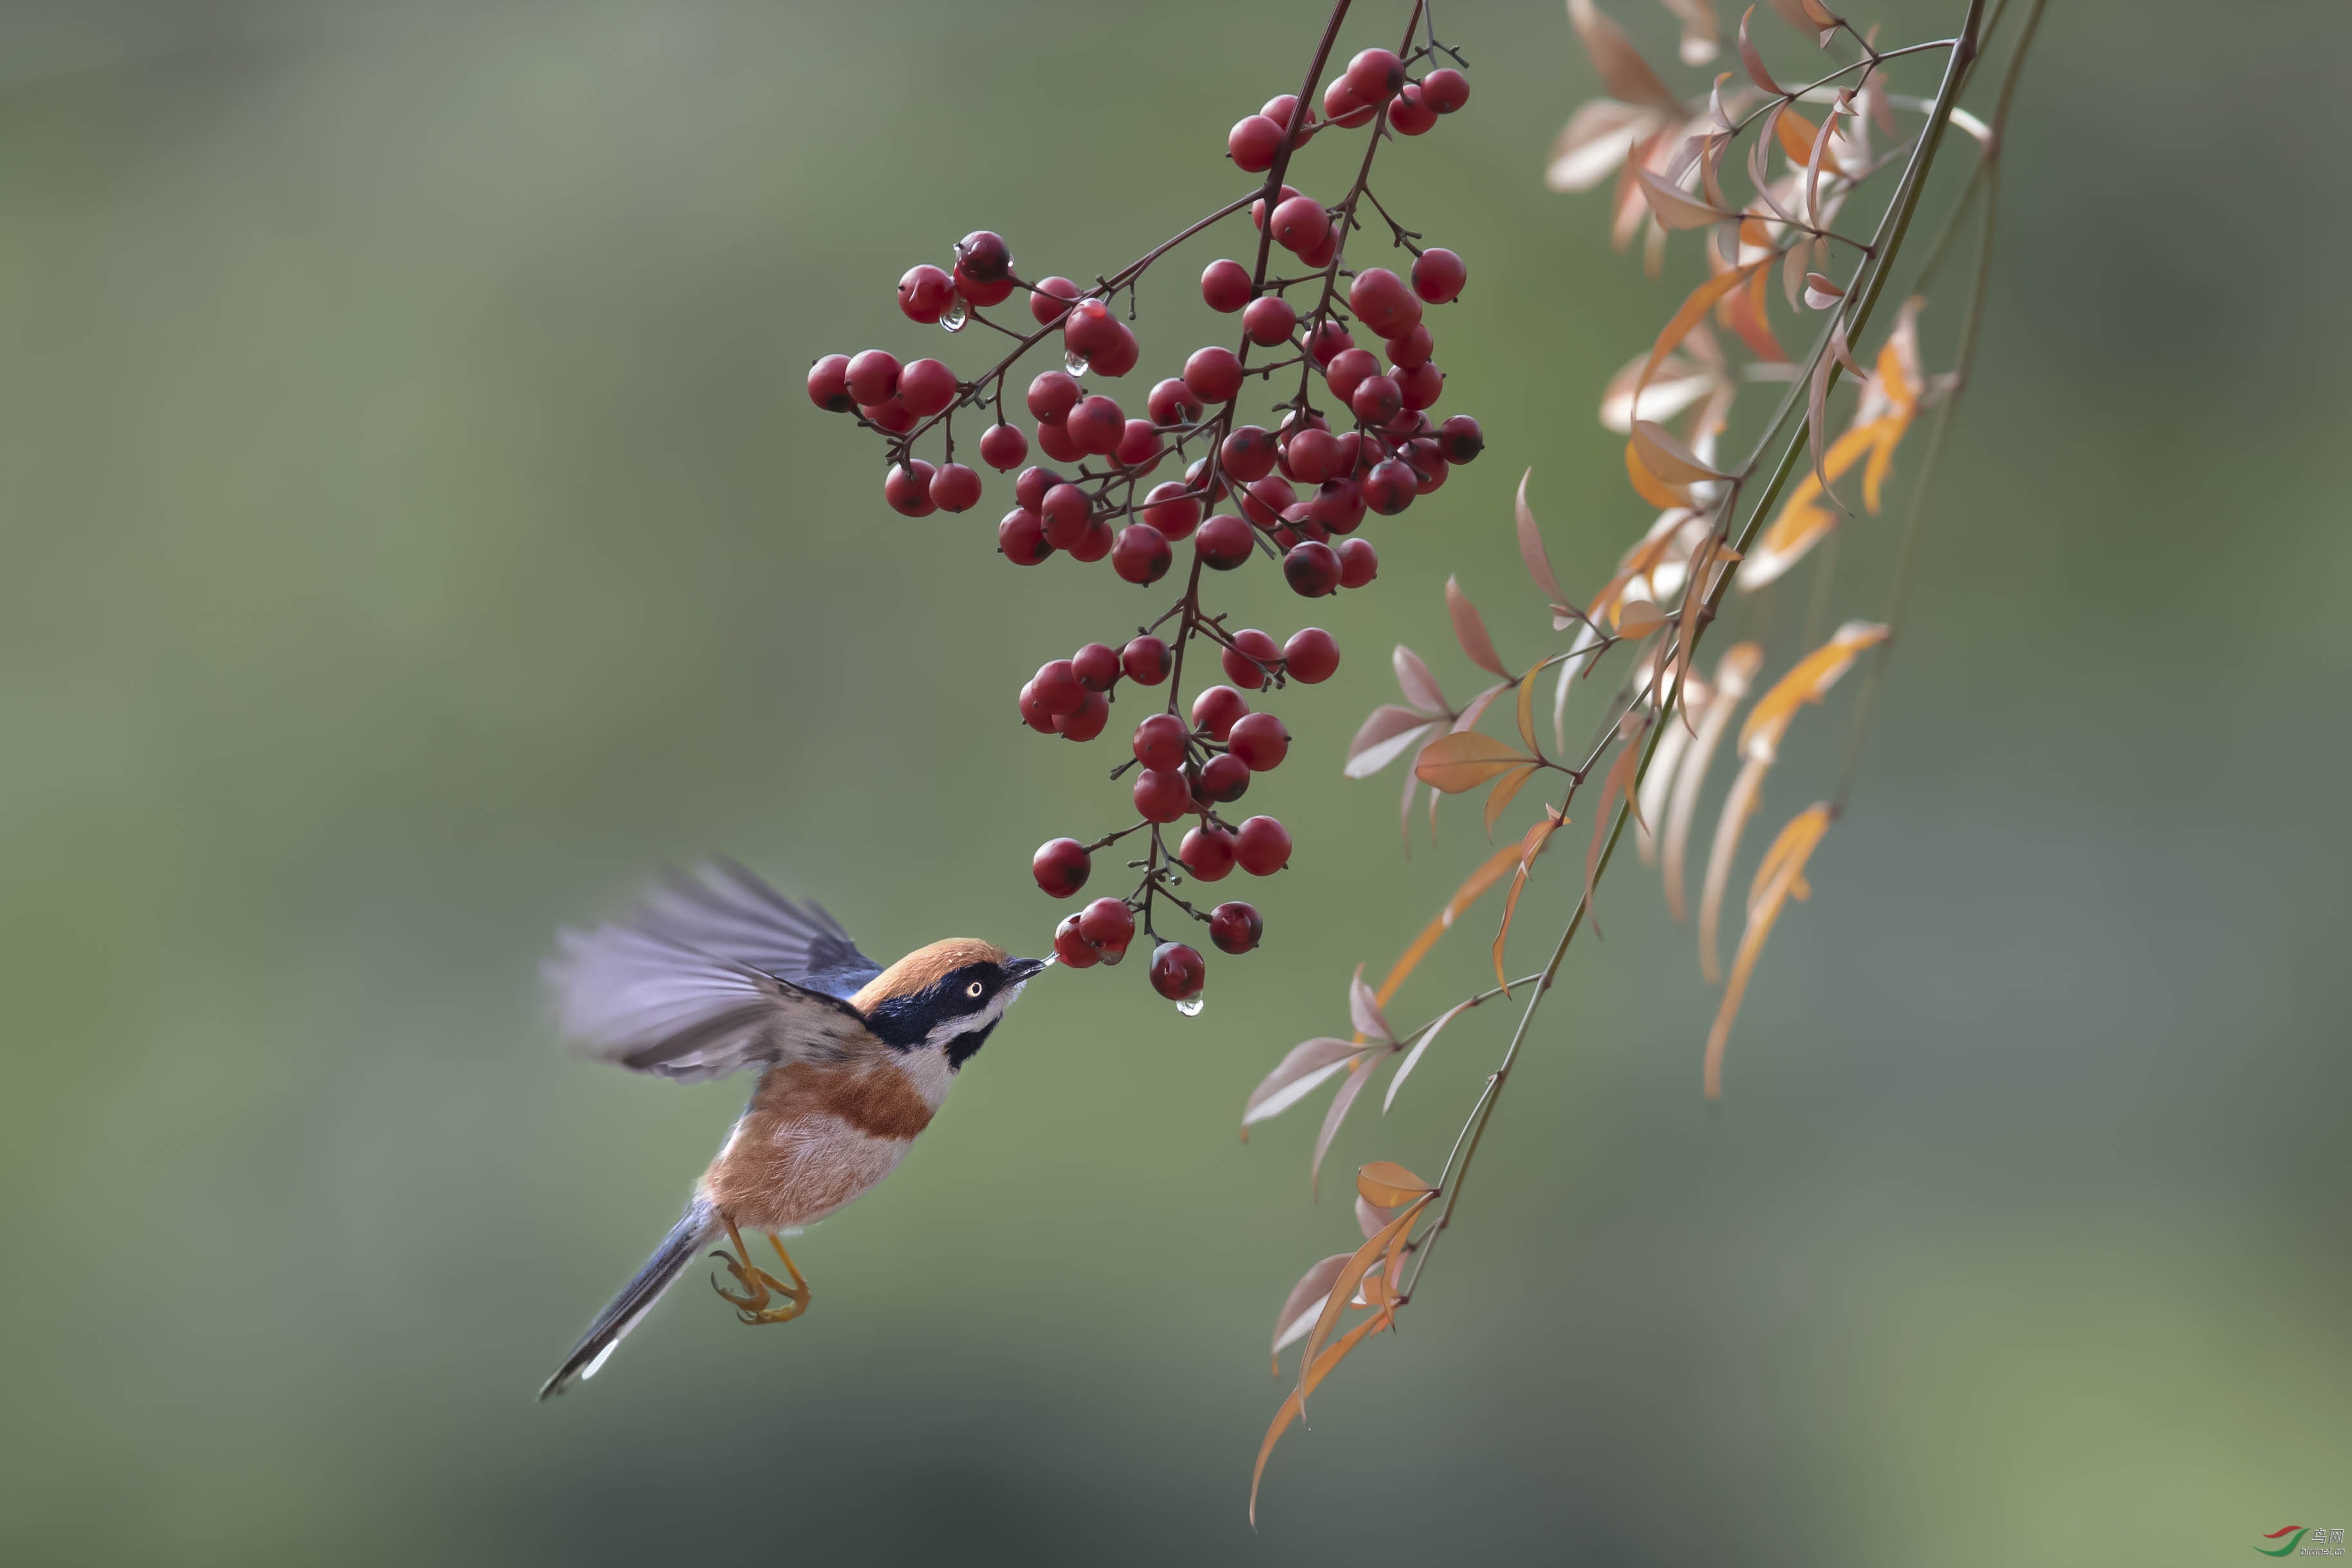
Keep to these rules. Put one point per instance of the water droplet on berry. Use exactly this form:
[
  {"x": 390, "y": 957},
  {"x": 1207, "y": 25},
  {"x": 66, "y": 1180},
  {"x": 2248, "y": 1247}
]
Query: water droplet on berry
[
  {"x": 957, "y": 313},
  {"x": 1076, "y": 363},
  {"x": 1190, "y": 1006}
]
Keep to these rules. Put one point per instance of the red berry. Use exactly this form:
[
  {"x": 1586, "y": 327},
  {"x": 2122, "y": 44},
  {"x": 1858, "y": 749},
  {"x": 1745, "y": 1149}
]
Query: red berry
[
  {"x": 1030, "y": 488},
  {"x": 1207, "y": 852},
  {"x": 1390, "y": 487},
  {"x": 1312, "y": 456},
  {"x": 1177, "y": 971},
  {"x": 1056, "y": 686},
  {"x": 1196, "y": 479},
  {"x": 984, "y": 256},
  {"x": 1161, "y": 742},
  {"x": 1311, "y": 654},
  {"x": 1032, "y": 711},
  {"x": 1119, "y": 357},
  {"x": 1066, "y": 512},
  {"x": 909, "y": 488},
  {"x": 1429, "y": 469},
  {"x": 1412, "y": 348},
  {"x": 1375, "y": 74},
  {"x": 1269, "y": 319},
  {"x": 1052, "y": 300},
  {"x": 1459, "y": 439},
  {"x": 1108, "y": 925},
  {"x": 1419, "y": 387},
  {"x": 1054, "y": 443},
  {"x": 1088, "y": 721},
  {"x": 1298, "y": 523},
  {"x": 1021, "y": 537},
  {"x": 892, "y": 415},
  {"x": 1100, "y": 540},
  {"x": 1382, "y": 303},
  {"x": 980, "y": 292},
  {"x": 1376, "y": 400},
  {"x": 1139, "y": 447},
  {"x": 873, "y": 376},
  {"x": 1225, "y": 285},
  {"x": 1257, "y": 208},
  {"x": 955, "y": 489},
  {"x": 1357, "y": 563},
  {"x": 924, "y": 293},
  {"x": 1223, "y": 541},
  {"x": 1096, "y": 424},
  {"x": 1217, "y": 709},
  {"x": 1171, "y": 511},
  {"x": 1409, "y": 114},
  {"x": 1253, "y": 144},
  {"x": 1251, "y": 660},
  {"x": 1263, "y": 846},
  {"x": 1214, "y": 374},
  {"x": 1311, "y": 569},
  {"x": 1234, "y": 926},
  {"x": 1060, "y": 866},
  {"x": 1145, "y": 660},
  {"x": 1141, "y": 554},
  {"x": 1172, "y": 403},
  {"x": 1267, "y": 499},
  {"x": 1339, "y": 504},
  {"x": 1343, "y": 105},
  {"x": 828, "y": 384},
  {"x": 1072, "y": 948},
  {"x": 1003, "y": 447},
  {"x": 1445, "y": 90},
  {"x": 1282, "y": 109},
  {"x": 1438, "y": 275},
  {"x": 1247, "y": 454},
  {"x": 1096, "y": 666},
  {"x": 1223, "y": 778},
  {"x": 1260, "y": 740},
  {"x": 1052, "y": 396},
  {"x": 1299, "y": 225},
  {"x": 926, "y": 387},
  {"x": 1161, "y": 795},
  {"x": 1328, "y": 340},
  {"x": 1349, "y": 368},
  {"x": 1089, "y": 328}
]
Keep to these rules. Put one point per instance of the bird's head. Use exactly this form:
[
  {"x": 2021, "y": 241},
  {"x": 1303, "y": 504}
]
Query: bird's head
[{"x": 946, "y": 996}]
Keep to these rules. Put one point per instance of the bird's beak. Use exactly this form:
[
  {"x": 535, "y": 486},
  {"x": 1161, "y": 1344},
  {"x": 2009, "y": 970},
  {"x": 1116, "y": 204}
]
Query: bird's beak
[{"x": 1020, "y": 969}]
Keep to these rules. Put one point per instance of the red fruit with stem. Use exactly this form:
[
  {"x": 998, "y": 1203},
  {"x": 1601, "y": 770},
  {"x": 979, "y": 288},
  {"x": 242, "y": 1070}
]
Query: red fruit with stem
[
  {"x": 1096, "y": 424},
  {"x": 1141, "y": 555},
  {"x": 1260, "y": 741},
  {"x": 1318, "y": 257},
  {"x": 1146, "y": 661},
  {"x": 1300, "y": 224},
  {"x": 828, "y": 384},
  {"x": 1348, "y": 369},
  {"x": 909, "y": 488},
  {"x": 1282, "y": 109},
  {"x": 1051, "y": 298},
  {"x": 1100, "y": 540},
  {"x": 1196, "y": 479},
  {"x": 1096, "y": 666},
  {"x": 955, "y": 489},
  {"x": 1262, "y": 847},
  {"x": 1429, "y": 469},
  {"x": 1269, "y": 319},
  {"x": 1214, "y": 374},
  {"x": 1054, "y": 443},
  {"x": 1311, "y": 569},
  {"x": 1460, "y": 440},
  {"x": 1072, "y": 948},
  {"x": 1032, "y": 711},
  {"x": 1108, "y": 925},
  {"x": 1312, "y": 456},
  {"x": 1339, "y": 504},
  {"x": 1344, "y": 106},
  {"x": 980, "y": 292},
  {"x": 1088, "y": 721},
  {"x": 1376, "y": 400},
  {"x": 1247, "y": 454},
  {"x": 1419, "y": 387},
  {"x": 1171, "y": 402},
  {"x": 1358, "y": 564},
  {"x": 1312, "y": 654},
  {"x": 873, "y": 376},
  {"x": 926, "y": 387},
  {"x": 1089, "y": 328},
  {"x": 1328, "y": 340},
  {"x": 1252, "y": 661},
  {"x": 1390, "y": 487},
  {"x": 891, "y": 415},
  {"x": 1139, "y": 447},
  {"x": 1267, "y": 499},
  {"x": 1003, "y": 447},
  {"x": 1161, "y": 741},
  {"x": 1409, "y": 114},
  {"x": 1223, "y": 779},
  {"x": 984, "y": 255},
  {"x": 1375, "y": 74},
  {"x": 1178, "y": 972},
  {"x": 1021, "y": 537},
  {"x": 1161, "y": 795},
  {"x": 1174, "y": 513},
  {"x": 1060, "y": 866},
  {"x": 1224, "y": 542},
  {"x": 1257, "y": 208},
  {"x": 1445, "y": 89},
  {"x": 1217, "y": 709},
  {"x": 1207, "y": 852},
  {"x": 1383, "y": 302},
  {"x": 924, "y": 293},
  {"x": 1226, "y": 286},
  {"x": 1121, "y": 355},
  {"x": 1254, "y": 143},
  {"x": 1056, "y": 686},
  {"x": 1412, "y": 348},
  {"x": 1438, "y": 275},
  {"x": 1066, "y": 513},
  {"x": 1052, "y": 396},
  {"x": 1030, "y": 488},
  {"x": 1235, "y": 927}
]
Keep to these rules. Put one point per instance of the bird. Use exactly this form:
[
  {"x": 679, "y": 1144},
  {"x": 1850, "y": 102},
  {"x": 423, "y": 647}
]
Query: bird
[{"x": 713, "y": 972}]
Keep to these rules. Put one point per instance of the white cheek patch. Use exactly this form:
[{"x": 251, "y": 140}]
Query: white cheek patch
[{"x": 941, "y": 1035}]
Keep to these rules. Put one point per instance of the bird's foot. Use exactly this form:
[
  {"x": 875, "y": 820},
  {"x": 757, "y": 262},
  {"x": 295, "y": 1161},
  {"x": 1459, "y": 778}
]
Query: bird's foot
[{"x": 760, "y": 1287}]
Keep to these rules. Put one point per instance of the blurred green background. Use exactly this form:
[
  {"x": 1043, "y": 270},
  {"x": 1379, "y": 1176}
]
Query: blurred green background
[{"x": 417, "y": 531}]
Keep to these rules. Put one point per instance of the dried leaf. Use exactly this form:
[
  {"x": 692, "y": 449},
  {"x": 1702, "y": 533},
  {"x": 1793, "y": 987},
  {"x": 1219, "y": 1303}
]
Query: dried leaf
[
  {"x": 1692, "y": 311},
  {"x": 1527, "y": 709},
  {"x": 1699, "y": 38},
  {"x": 1305, "y": 1303},
  {"x": 1779, "y": 878},
  {"x": 1803, "y": 522},
  {"x": 1352, "y": 1272},
  {"x": 1820, "y": 293},
  {"x": 1370, "y": 1217},
  {"x": 1637, "y": 618},
  {"x": 1733, "y": 674},
  {"x": 1473, "y": 887},
  {"x": 1499, "y": 797},
  {"x": 1530, "y": 846},
  {"x": 1295, "y": 1405},
  {"x": 1470, "y": 630},
  {"x": 1651, "y": 488},
  {"x": 1657, "y": 784},
  {"x": 1454, "y": 763},
  {"x": 1420, "y": 688},
  {"x": 1755, "y": 61},
  {"x": 1618, "y": 784},
  {"x": 1817, "y": 424},
  {"x": 1359, "y": 1074},
  {"x": 1386, "y": 723},
  {"x": 1296, "y": 1076},
  {"x": 1675, "y": 208},
  {"x": 1532, "y": 545},
  {"x": 1623, "y": 71},
  {"x": 1798, "y": 137},
  {"x": 1364, "y": 1011},
  {"x": 1663, "y": 454},
  {"x": 1814, "y": 674},
  {"x": 1738, "y": 807},
  {"x": 1413, "y": 1059},
  {"x": 1596, "y": 142},
  {"x": 1390, "y": 1185}
]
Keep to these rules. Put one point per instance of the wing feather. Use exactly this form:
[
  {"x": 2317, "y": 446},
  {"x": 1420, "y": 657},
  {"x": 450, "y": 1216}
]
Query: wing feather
[{"x": 723, "y": 909}]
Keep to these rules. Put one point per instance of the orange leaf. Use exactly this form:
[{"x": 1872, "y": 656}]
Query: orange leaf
[
  {"x": 1814, "y": 674},
  {"x": 1388, "y": 1184},
  {"x": 1527, "y": 708},
  {"x": 1295, "y": 1404},
  {"x": 1651, "y": 488},
  {"x": 1733, "y": 674},
  {"x": 1619, "y": 783},
  {"x": 1662, "y": 452},
  {"x": 1779, "y": 878},
  {"x": 1693, "y": 309},
  {"x": 1530, "y": 847},
  {"x": 1675, "y": 208},
  {"x": 1508, "y": 785},
  {"x": 1351, "y": 1274},
  {"x": 1471, "y": 889},
  {"x": 1454, "y": 763},
  {"x": 1797, "y": 138},
  {"x": 1470, "y": 630},
  {"x": 1638, "y": 618}
]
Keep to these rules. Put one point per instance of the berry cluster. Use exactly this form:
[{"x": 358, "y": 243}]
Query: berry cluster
[{"x": 1295, "y": 488}]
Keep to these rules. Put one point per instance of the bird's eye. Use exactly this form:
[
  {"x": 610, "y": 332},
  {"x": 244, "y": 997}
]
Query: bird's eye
[{"x": 974, "y": 989}]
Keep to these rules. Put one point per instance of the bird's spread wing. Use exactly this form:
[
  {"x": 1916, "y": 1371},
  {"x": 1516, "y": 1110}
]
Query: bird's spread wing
[{"x": 711, "y": 974}]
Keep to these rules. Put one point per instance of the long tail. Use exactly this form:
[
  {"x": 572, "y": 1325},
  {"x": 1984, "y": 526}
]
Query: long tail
[{"x": 636, "y": 1298}]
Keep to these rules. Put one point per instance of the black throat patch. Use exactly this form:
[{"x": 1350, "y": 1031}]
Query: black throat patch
[{"x": 962, "y": 1048}]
